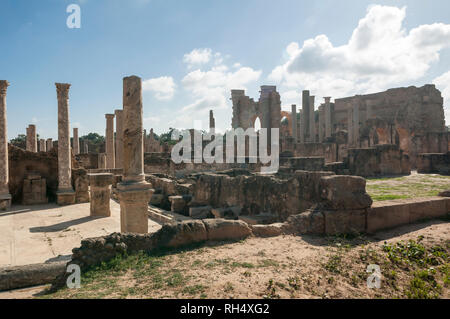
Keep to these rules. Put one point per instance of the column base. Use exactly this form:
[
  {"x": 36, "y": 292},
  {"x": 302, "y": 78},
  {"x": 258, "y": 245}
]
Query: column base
[
  {"x": 65, "y": 197},
  {"x": 134, "y": 201},
  {"x": 5, "y": 201}
]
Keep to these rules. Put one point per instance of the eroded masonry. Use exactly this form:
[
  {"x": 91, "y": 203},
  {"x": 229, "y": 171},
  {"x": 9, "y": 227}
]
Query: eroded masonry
[{"x": 326, "y": 151}]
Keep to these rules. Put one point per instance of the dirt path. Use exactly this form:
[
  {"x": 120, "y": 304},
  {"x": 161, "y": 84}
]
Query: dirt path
[{"x": 281, "y": 267}]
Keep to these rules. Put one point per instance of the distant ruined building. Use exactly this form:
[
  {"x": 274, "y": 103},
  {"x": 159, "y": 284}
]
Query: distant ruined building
[{"x": 410, "y": 118}]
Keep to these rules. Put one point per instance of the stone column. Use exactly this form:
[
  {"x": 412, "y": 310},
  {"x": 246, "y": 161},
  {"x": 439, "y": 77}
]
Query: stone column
[
  {"x": 321, "y": 123},
  {"x": 301, "y": 128},
  {"x": 350, "y": 126},
  {"x": 65, "y": 194},
  {"x": 212, "y": 121},
  {"x": 5, "y": 196},
  {"x": 328, "y": 124},
  {"x": 312, "y": 120},
  {"x": 102, "y": 160},
  {"x": 109, "y": 149},
  {"x": 86, "y": 147},
  {"x": 49, "y": 144},
  {"x": 76, "y": 142},
  {"x": 294, "y": 122},
  {"x": 356, "y": 124},
  {"x": 119, "y": 138},
  {"x": 145, "y": 142},
  {"x": 42, "y": 147},
  {"x": 31, "y": 138},
  {"x": 100, "y": 194},
  {"x": 134, "y": 192},
  {"x": 305, "y": 115}
]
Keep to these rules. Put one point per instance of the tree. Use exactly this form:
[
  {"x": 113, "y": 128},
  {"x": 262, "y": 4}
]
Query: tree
[
  {"x": 95, "y": 141},
  {"x": 20, "y": 141}
]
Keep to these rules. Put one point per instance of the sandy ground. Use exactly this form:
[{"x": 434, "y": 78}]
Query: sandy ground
[
  {"x": 280, "y": 267},
  {"x": 35, "y": 234}
]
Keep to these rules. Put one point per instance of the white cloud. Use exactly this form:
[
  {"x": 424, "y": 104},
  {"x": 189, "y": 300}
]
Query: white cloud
[
  {"x": 197, "y": 57},
  {"x": 443, "y": 84},
  {"x": 379, "y": 54},
  {"x": 210, "y": 87},
  {"x": 162, "y": 87}
]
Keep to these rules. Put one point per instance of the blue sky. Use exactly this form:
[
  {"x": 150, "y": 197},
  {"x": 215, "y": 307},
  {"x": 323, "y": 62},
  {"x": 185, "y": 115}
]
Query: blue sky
[{"x": 190, "y": 53}]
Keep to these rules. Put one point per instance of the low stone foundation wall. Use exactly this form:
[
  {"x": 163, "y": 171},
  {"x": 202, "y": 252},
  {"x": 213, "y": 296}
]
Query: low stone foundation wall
[{"x": 438, "y": 163}]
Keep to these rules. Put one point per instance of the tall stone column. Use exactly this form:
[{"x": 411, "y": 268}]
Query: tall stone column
[
  {"x": 76, "y": 142},
  {"x": 86, "y": 147},
  {"x": 145, "y": 142},
  {"x": 134, "y": 192},
  {"x": 356, "y": 124},
  {"x": 65, "y": 194},
  {"x": 110, "y": 162},
  {"x": 328, "y": 124},
  {"x": 301, "y": 128},
  {"x": 119, "y": 138},
  {"x": 5, "y": 196},
  {"x": 294, "y": 122},
  {"x": 102, "y": 161},
  {"x": 305, "y": 115},
  {"x": 49, "y": 144},
  {"x": 42, "y": 146},
  {"x": 321, "y": 123},
  {"x": 350, "y": 126},
  {"x": 312, "y": 120},
  {"x": 31, "y": 138},
  {"x": 212, "y": 121}
]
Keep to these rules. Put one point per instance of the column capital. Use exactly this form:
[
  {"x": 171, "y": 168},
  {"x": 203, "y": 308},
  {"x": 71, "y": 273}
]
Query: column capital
[
  {"x": 109, "y": 116},
  {"x": 62, "y": 90},
  {"x": 327, "y": 99},
  {"x": 118, "y": 112},
  {"x": 3, "y": 86}
]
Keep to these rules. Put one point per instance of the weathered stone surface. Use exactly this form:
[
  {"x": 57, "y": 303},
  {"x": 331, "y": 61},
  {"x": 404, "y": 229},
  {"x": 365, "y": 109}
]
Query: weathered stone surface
[
  {"x": 119, "y": 138},
  {"x": 387, "y": 215},
  {"x": 223, "y": 229},
  {"x": 100, "y": 194},
  {"x": 183, "y": 233},
  {"x": 226, "y": 212},
  {"x": 76, "y": 142},
  {"x": 65, "y": 194},
  {"x": 272, "y": 230},
  {"x": 30, "y": 275},
  {"x": 345, "y": 221},
  {"x": 200, "y": 212},
  {"x": 109, "y": 141},
  {"x": 178, "y": 204},
  {"x": 134, "y": 192},
  {"x": 344, "y": 192},
  {"x": 427, "y": 208},
  {"x": 34, "y": 190},
  {"x": 5, "y": 196},
  {"x": 309, "y": 222},
  {"x": 434, "y": 163},
  {"x": 80, "y": 182}
]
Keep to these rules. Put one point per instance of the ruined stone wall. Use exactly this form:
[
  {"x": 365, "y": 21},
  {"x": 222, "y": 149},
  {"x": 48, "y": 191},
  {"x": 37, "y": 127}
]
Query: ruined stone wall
[
  {"x": 327, "y": 150},
  {"x": 22, "y": 163},
  {"x": 88, "y": 161},
  {"x": 378, "y": 161},
  {"x": 258, "y": 194},
  {"x": 438, "y": 163},
  {"x": 402, "y": 116}
]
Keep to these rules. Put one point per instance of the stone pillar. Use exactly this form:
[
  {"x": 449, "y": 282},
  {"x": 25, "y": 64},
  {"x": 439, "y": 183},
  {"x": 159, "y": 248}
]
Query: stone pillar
[
  {"x": 109, "y": 149},
  {"x": 312, "y": 120},
  {"x": 102, "y": 160},
  {"x": 305, "y": 115},
  {"x": 294, "y": 123},
  {"x": 76, "y": 142},
  {"x": 328, "y": 124},
  {"x": 321, "y": 123},
  {"x": 145, "y": 142},
  {"x": 100, "y": 194},
  {"x": 42, "y": 147},
  {"x": 5, "y": 196},
  {"x": 356, "y": 124},
  {"x": 119, "y": 138},
  {"x": 65, "y": 193},
  {"x": 301, "y": 128},
  {"x": 212, "y": 121},
  {"x": 49, "y": 144},
  {"x": 134, "y": 192},
  {"x": 86, "y": 147},
  {"x": 350, "y": 126},
  {"x": 31, "y": 138}
]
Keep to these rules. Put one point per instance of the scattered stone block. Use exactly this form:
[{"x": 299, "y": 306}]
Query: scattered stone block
[
  {"x": 344, "y": 193},
  {"x": 223, "y": 229},
  {"x": 345, "y": 221},
  {"x": 200, "y": 212}
]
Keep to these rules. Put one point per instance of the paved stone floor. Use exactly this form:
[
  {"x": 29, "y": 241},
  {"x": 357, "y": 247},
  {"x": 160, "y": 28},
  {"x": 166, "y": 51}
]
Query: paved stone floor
[{"x": 40, "y": 233}]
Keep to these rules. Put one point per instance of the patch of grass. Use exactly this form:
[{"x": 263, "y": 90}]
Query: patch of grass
[
  {"x": 424, "y": 285},
  {"x": 228, "y": 287},
  {"x": 271, "y": 292},
  {"x": 384, "y": 197},
  {"x": 193, "y": 290},
  {"x": 334, "y": 264},
  {"x": 242, "y": 265},
  {"x": 268, "y": 263}
]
